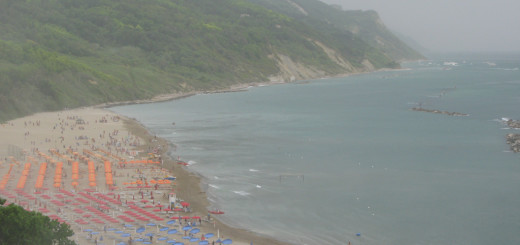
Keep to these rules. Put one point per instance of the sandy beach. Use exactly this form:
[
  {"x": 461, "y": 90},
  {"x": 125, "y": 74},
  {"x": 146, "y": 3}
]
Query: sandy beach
[{"x": 109, "y": 179}]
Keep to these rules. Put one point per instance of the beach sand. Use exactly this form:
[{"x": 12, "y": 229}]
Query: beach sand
[{"x": 99, "y": 135}]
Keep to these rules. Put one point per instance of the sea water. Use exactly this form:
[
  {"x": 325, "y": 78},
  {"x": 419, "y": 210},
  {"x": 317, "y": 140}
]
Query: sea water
[{"x": 346, "y": 159}]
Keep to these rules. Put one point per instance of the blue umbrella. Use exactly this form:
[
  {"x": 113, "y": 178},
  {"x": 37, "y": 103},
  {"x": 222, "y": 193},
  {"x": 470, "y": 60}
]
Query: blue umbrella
[
  {"x": 171, "y": 241},
  {"x": 119, "y": 232},
  {"x": 94, "y": 233},
  {"x": 121, "y": 243},
  {"x": 195, "y": 231},
  {"x": 125, "y": 235},
  {"x": 88, "y": 230},
  {"x": 205, "y": 242},
  {"x": 140, "y": 230},
  {"x": 139, "y": 240},
  {"x": 128, "y": 225},
  {"x": 172, "y": 231},
  {"x": 149, "y": 234},
  {"x": 162, "y": 239},
  {"x": 194, "y": 239},
  {"x": 185, "y": 228},
  {"x": 186, "y": 237},
  {"x": 151, "y": 224},
  {"x": 164, "y": 229},
  {"x": 227, "y": 241},
  {"x": 171, "y": 222},
  {"x": 111, "y": 229},
  {"x": 208, "y": 235},
  {"x": 178, "y": 243},
  {"x": 147, "y": 242}
]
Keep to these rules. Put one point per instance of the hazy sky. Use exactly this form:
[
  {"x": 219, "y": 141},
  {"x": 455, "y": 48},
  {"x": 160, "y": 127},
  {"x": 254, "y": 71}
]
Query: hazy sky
[{"x": 450, "y": 25}]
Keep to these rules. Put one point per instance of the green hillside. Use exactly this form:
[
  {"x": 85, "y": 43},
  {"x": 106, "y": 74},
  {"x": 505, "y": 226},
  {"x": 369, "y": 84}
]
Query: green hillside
[
  {"x": 330, "y": 19},
  {"x": 57, "y": 54}
]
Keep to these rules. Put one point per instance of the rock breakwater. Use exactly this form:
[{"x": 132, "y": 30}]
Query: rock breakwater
[
  {"x": 513, "y": 140},
  {"x": 449, "y": 113}
]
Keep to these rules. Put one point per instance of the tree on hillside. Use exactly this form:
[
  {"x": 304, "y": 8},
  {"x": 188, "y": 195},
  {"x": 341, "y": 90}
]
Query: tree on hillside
[{"x": 18, "y": 226}]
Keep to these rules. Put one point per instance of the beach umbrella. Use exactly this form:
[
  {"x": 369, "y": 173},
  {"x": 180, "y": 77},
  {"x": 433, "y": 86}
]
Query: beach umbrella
[
  {"x": 186, "y": 237},
  {"x": 147, "y": 242},
  {"x": 125, "y": 235},
  {"x": 164, "y": 229},
  {"x": 140, "y": 230},
  {"x": 162, "y": 239},
  {"x": 185, "y": 228},
  {"x": 128, "y": 225},
  {"x": 151, "y": 224},
  {"x": 195, "y": 231},
  {"x": 139, "y": 240},
  {"x": 172, "y": 231},
  {"x": 178, "y": 243},
  {"x": 203, "y": 242},
  {"x": 94, "y": 233},
  {"x": 88, "y": 230},
  {"x": 195, "y": 217},
  {"x": 209, "y": 235},
  {"x": 171, "y": 241},
  {"x": 194, "y": 239},
  {"x": 119, "y": 232},
  {"x": 227, "y": 241},
  {"x": 171, "y": 222},
  {"x": 121, "y": 243},
  {"x": 149, "y": 234}
]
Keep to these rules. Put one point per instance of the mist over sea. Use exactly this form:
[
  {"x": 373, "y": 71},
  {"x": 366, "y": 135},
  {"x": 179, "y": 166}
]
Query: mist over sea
[{"x": 321, "y": 161}]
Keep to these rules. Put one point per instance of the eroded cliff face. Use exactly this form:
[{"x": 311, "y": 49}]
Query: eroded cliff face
[{"x": 291, "y": 70}]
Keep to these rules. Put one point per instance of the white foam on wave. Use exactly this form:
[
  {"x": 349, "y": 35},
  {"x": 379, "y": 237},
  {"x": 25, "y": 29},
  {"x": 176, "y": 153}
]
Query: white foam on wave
[
  {"x": 191, "y": 162},
  {"x": 242, "y": 193},
  {"x": 253, "y": 170},
  {"x": 214, "y": 186}
]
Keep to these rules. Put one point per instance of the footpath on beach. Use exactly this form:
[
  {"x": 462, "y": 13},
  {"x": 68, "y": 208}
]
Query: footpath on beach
[{"x": 82, "y": 167}]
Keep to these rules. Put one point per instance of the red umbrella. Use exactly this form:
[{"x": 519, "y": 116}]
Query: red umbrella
[
  {"x": 186, "y": 217},
  {"x": 185, "y": 204},
  {"x": 167, "y": 209},
  {"x": 177, "y": 209},
  {"x": 175, "y": 217},
  {"x": 144, "y": 200},
  {"x": 195, "y": 217}
]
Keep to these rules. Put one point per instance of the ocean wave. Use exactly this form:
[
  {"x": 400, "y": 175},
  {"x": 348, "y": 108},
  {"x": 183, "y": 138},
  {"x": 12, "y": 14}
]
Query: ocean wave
[
  {"x": 214, "y": 186},
  {"x": 253, "y": 170},
  {"x": 242, "y": 193},
  {"x": 191, "y": 162}
]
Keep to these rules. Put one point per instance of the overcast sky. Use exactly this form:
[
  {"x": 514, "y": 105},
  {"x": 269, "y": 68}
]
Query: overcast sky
[{"x": 450, "y": 25}]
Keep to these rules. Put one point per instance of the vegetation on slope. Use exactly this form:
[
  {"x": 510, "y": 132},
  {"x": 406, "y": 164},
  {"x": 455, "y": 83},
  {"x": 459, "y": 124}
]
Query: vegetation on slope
[
  {"x": 19, "y": 226},
  {"x": 332, "y": 19},
  {"x": 56, "y": 54}
]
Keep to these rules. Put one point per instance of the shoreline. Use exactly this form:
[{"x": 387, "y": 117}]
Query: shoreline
[{"x": 189, "y": 186}]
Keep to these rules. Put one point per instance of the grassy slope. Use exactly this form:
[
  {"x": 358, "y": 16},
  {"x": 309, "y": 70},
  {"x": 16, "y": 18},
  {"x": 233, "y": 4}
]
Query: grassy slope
[{"x": 68, "y": 53}]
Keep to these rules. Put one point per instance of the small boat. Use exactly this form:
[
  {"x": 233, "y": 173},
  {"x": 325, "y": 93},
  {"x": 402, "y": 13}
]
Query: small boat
[{"x": 216, "y": 212}]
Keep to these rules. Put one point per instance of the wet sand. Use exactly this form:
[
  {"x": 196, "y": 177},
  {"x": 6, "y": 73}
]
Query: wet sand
[{"x": 100, "y": 135}]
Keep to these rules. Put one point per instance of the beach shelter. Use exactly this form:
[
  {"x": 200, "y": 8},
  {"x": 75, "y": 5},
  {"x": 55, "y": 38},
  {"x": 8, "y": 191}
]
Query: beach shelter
[{"x": 227, "y": 241}]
